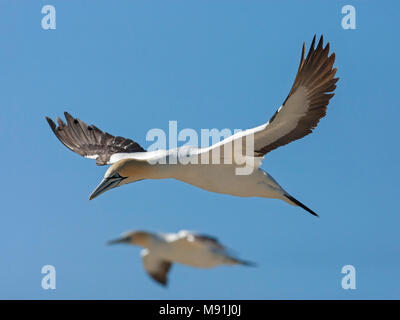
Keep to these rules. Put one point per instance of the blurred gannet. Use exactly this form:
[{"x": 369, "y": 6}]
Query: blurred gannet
[
  {"x": 185, "y": 247},
  {"x": 300, "y": 113}
]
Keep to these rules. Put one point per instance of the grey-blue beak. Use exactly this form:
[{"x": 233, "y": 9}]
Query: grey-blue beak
[
  {"x": 105, "y": 185},
  {"x": 120, "y": 240}
]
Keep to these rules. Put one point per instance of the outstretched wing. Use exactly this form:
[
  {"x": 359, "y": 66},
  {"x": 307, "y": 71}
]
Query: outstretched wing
[
  {"x": 306, "y": 103},
  {"x": 208, "y": 240},
  {"x": 155, "y": 266},
  {"x": 203, "y": 241},
  {"x": 195, "y": 238},
  {"x": 300, "y": 113},
  {"x": 90, "y": 142}
]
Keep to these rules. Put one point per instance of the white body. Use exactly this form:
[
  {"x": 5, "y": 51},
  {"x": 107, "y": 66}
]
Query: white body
[{"x": 219, "y": 178}]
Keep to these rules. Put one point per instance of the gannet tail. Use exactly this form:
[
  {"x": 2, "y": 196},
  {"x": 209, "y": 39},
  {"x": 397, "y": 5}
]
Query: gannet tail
[
  {"x": 243, "y": 262},
  {"x": 296, "y": 202}
]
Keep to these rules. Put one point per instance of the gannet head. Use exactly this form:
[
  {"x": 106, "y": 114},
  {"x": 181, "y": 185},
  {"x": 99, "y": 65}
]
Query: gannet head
[
  {"x": 120, "y": 173},
  {"x": 138, "y": 238}
]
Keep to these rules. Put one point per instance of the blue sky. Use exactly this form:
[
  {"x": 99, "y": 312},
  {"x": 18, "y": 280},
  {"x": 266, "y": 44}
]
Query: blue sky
[{"x": 130, "y": 66}]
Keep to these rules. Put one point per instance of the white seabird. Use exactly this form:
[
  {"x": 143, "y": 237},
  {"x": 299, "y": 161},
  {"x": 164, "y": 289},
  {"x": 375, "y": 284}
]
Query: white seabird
[
  {"x": 160, "y": 250},
  {"x": 300, "y": 113}
]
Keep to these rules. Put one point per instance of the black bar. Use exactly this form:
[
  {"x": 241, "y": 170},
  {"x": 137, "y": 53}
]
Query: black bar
[{"x": 200, "y": 309}]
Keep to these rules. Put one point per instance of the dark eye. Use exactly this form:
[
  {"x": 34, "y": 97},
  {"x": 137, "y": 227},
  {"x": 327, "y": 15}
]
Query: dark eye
[{"x": 117, "y": 175}]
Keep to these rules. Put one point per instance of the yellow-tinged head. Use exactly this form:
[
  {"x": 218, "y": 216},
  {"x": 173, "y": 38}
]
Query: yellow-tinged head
[{"x": 120, "y": 173}]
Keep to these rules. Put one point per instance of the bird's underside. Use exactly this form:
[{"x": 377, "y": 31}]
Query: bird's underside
[{"x": 299, "y": 114}]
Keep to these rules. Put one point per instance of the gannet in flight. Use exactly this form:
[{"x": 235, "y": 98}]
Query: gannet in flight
[
  {"x": 300, "y": 113},
  {"x": 185, "y": 247}
]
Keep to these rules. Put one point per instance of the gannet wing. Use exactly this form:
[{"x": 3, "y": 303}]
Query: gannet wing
[
  {"x": 195, "y": 238},
  {"x": 203, "y": 241},
  {"x": 306, "y": 103},
  {"x": 301, "y": 111},
  {"x": 206, "y": 240},
  {"x": 155, "y": 266},
  {"x": 90, "y": 142}
]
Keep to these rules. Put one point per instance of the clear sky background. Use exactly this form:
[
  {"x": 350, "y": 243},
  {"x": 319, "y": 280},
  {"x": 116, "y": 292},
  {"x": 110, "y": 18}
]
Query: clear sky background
[{"x": 130, "y": 66}]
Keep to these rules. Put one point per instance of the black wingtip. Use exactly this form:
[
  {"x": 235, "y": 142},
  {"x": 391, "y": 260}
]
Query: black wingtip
[
  {"x": 49, "y": 121},
  {"x": 298, "y": 203},
  {"x": 52, "y": 125},
  {"x": 313, "y": 41}
]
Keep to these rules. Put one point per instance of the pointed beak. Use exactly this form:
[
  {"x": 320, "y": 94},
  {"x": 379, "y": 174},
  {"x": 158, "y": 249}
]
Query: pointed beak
[
  {"x": 120, "y": 240},
  {"x": 105, "y": 185}
]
